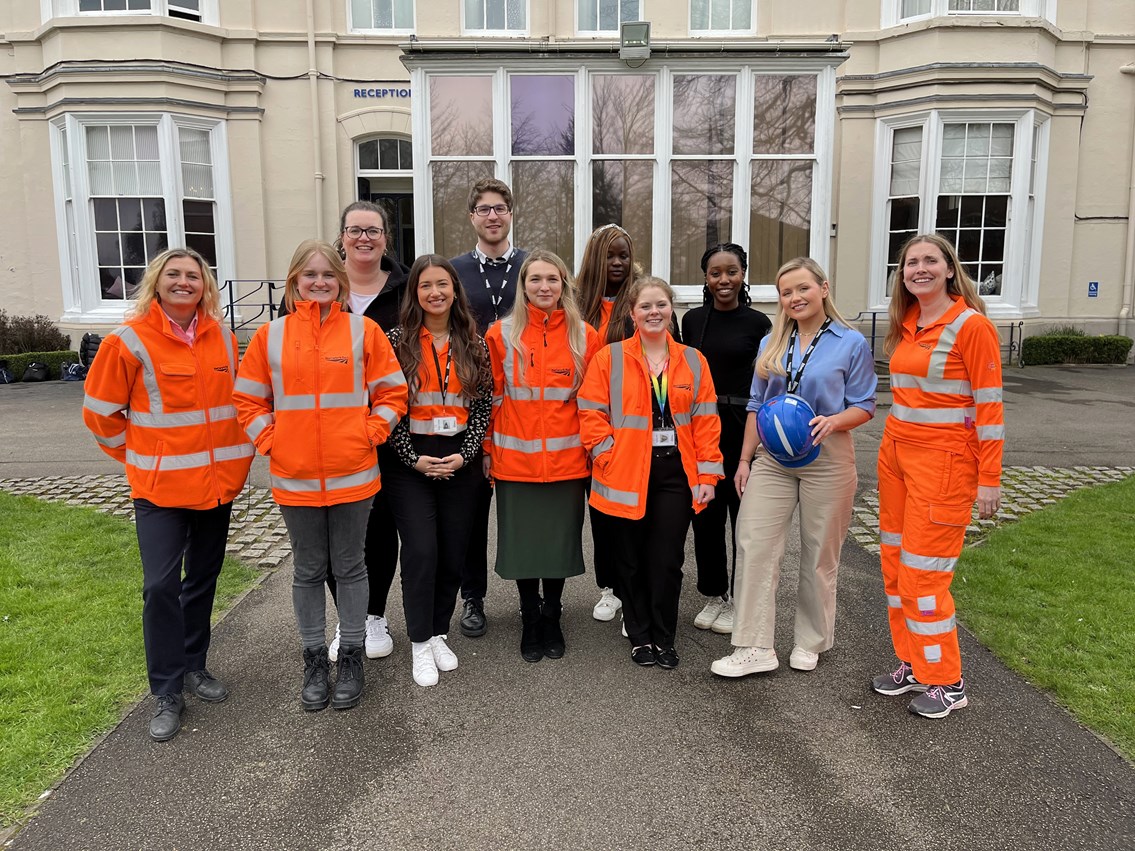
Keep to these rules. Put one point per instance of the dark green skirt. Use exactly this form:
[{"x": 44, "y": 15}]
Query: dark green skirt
[{"x": 539, "y": 529}]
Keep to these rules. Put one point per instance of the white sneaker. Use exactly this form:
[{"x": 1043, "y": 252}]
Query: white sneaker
[
  {"x": 608, "y": 605},
  {"x": 333, "y": 650},
  {"x": 803, "y": 660},
  {"x": 443, "y": 656},
  {"x": 723, "y": 623},
  {"x": 746, "y": 660},
  {"x": 378, "y": 640},
  {"x": 425, "y": 668},
  {"x": 707, "y": 616}
]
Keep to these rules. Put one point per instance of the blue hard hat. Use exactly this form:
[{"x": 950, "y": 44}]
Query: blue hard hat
[{"x": 782, "y": 423}]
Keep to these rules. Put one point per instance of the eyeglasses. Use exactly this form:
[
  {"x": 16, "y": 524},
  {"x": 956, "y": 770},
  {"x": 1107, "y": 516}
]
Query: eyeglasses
[
  {"x": 485, "y": 209},
  {"x": 354, "y": 232}
]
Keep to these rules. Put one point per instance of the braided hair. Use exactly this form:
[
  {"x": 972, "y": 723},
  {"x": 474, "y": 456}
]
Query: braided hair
[{"x": 707, "y": 297}]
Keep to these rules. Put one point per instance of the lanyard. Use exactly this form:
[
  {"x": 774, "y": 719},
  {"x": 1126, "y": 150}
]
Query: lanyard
[
  {"x": 794, "y": 377},
  {"x": 661, "y": 388},
  {"x": 505, "y": 261},
  {"x": 437, "y": 363}
]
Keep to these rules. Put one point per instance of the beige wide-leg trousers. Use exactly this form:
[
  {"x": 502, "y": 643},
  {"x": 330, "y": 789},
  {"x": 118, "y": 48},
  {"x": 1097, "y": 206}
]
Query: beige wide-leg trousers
[{"x": 825, "y": 492}]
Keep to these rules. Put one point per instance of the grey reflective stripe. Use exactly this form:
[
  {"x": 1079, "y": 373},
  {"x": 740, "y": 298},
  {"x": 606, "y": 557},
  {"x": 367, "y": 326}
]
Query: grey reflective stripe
[
  {"x": 933, "y": 416},
  {"x": 704, "y": 409},
  {"x": 230, "y": 351},
  {"x": 558, "y": 394},
  {"x": 167, "y": 462},
  {"x": 507, "y": 364},
  {"x": 222, "y": 412},
  {"x": 507, "y": 441},
  {"x": 588, "y": 405},
  {"x": 996, "y": 432},
  {"x": 428, "y": 397},
  {"x": 103, "y": 409},
  {"x": 497, "y": 400},
  {"x": 927, "y": 604},
  {"x": 616, "y": 389},
  {"x": 694, "y": 363},
  {"x": 694, "y": 492},
  {"x": 558, "y": 444},
  {"x": 388, "y": 414},
  {"x": 313, "y": 485},
  {"x": 987, "y": 394},
  {"x": 680, "y": 418},
  {"x": 305, "y": 402},
  {"x": 616, "y": 496},
  {"x": 391, "y": 379},
  {"x": 522, "y": 394},
  {"x": 932, "y": 653},
  {"x": 710, "y": 468},
  {"x": 275, "y": 352},
  {"x": 252, "y": 388},
  {"x": 904, "y": 381},
  {"x": 184, "y": 418},
  {"x": 890, "y": 539},
  {"x": 258, "y": 425},
  {"x": 343, "y": 400},
  {"x": 149, "y": 375},
  {"x": 231, "y": 453},
  {"x": 603, "y": 445},
  {"x": 427, "y": 427},
  {"x": 640, "y": 423},
  {"x": 945, "y": 344},
  {"x": 111, "y": 442},
  {"x": 942, "y": 565},
  {"x": 358, "y": 336},
  {"x": 894, "y": 602}
]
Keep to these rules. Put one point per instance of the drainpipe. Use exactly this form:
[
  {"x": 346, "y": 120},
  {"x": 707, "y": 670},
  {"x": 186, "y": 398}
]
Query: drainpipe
[
  {"x": 1129, "y": 261},
  {"x": 317, "y": 144}
]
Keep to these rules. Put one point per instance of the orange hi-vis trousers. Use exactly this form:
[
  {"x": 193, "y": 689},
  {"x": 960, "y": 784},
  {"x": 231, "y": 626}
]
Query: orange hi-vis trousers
[{"x": 926, "y": 497}]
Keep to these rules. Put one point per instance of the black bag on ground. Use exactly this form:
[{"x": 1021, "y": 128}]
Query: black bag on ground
[
  {"x": 88, "y": 348},
  {"x": 72, "y": 371},
  {"x": 36, "y": 371},
  {"x": 6, "y": 376}
]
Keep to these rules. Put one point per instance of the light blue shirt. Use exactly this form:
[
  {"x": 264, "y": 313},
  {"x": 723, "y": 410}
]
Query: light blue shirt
[{"x": 840, "y": 374}]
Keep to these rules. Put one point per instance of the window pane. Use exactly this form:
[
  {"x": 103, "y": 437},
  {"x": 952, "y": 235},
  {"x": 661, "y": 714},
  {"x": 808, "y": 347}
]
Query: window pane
[
  {"x": 475, "y": 14},
  {"x": 98, "y": 143},
  {"x": 114, "y": 5},
  {"x": 204, "y": 244},
  {"x": 719, "y": 14},
  {"x": 361, "y": 16},
  {"x": 785, "y": 115},
  {"x": 405, "y": 154},
  {"x": 699, "y": 15},
  {"x": 122, "y": 143},
  {"x": 546, "y": 206},
  {"x": 130, "y": 214},
  {"x": 461, "y": 116},
  {"x": 628, "y": 11},
  {"x": 154, "y": 214},
  {"x": 388, "y": 153},
  {"x": 494, "y": 14},
  {"x": 368, "y": 154},
  {"x": 516, "y": 15},
  {"x": 622, "y": 114},
  {"x": 623, "y": 193},
  {"x": 453, "y": 233},
  {"x": 194, "y": 146},
  {"x": 780, "y": 226},
  {"x": 198, "y": 216},
  {"x": 106, "y": 214},
  {"x": 976, "y": 226},
  {"x": 146, "y": 139},
  {"x": 701, "y": 214},
  {"x": 906, "y": 161},
  {"x": 108, "y": 249},
  {"x": 404, "y": 14},
  {"x": 915, "y": 7},
  {"x": 543, "y": 115},
  {"x": 150, "y": 178},
  {"x": 742, "y": 15},
  {"x": 383, "y": 14},
  {"x": 704, "y": 109}
]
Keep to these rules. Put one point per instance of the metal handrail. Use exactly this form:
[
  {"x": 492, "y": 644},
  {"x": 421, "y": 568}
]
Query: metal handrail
[
  {"x": 232, "y": 301},
  {"x": 1012, "y": 349}
]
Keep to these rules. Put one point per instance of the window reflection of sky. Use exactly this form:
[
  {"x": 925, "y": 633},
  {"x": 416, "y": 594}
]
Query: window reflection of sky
[{"x": 543, "y": 111}]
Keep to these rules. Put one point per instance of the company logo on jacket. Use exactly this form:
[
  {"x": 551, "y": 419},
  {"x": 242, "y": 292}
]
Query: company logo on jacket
[
  {"x": 561, "y": 371},
  {"x": 338, "y": 359}
]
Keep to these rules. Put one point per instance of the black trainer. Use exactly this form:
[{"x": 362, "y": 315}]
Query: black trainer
[
  {"x": 316, "y": 674},
  {"x": 473, "y": 623},
  {"x": 899, "y": 681},
  {"x": 204, "y": 686},
  {"x": 166, "y": 720},
  {"x": 666, "y": 657},
  {"x": 552, "y": 633},
  {"x": 349, "y": 684}
]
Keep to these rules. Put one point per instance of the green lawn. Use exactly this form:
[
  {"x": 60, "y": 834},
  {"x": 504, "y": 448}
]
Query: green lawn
[
  {"x": 71, "y": 655},
  {"x": 1054, "y": 597}
]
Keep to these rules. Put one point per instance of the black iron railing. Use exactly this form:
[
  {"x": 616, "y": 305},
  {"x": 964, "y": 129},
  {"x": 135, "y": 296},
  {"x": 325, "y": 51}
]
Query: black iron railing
[
  {"x": 253, "y": 306},
  {"x": 1013, "y": 333}
]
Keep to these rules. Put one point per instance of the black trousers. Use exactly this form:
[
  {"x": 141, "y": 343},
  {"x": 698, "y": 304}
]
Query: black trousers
[
  {"x": 648, "y": 555},
  {"x": 434, "y": 519},
  {"x": 605, "y": 573},
  {"x": 176, "y": 608},
  {"x": 715, "y": 545},
  {"x": 381, "y": 548},
  {"x": 475, "y": 572}
]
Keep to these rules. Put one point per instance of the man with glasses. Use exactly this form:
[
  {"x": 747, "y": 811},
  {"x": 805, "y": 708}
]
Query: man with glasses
[{"x": 488, "y": 275}]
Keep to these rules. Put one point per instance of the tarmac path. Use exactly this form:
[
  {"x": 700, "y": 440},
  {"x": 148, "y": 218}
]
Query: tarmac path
[{"x": 591, "y": 751}]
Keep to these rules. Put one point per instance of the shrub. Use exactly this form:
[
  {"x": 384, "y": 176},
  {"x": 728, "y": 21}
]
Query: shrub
[
  {"x": 1063, "y": 331},
  {"x": 19, "y": 334},
  {"x": 54, "y": 360},
  {"x": 1052, "y": 348}
]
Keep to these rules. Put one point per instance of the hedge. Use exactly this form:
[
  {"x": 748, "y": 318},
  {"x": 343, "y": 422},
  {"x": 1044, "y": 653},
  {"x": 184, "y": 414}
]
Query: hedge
[
  {"x": 54, "y": 360},
  {"x": 1045, "y": 348}
]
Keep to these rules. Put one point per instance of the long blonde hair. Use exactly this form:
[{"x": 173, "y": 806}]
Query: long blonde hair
[
  {"x": 961, "y": 284},
  {"x": 771, "y": 360},
  {"x": 304, "y": 252},
  {"x": 148, "y": 288},
  {"x": 518, "y": 317}
]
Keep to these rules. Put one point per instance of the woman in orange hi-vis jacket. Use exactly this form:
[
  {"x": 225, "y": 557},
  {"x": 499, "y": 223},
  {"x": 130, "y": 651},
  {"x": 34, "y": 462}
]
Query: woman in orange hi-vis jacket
[
  {"x": 432, "y": 488},
  {"x": 941, "y": 451},
  {"x": 539, "y": 352},
  {"x": 318, "y": 390},
  {"x": 159, "y": 398},
  {"x": 648, "y": 415}
]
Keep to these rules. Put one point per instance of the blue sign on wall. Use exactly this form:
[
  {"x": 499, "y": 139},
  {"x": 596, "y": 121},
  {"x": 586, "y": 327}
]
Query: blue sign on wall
[
  {"x": 1093, "y": 289},
  {"x": 383, "y": 93}
]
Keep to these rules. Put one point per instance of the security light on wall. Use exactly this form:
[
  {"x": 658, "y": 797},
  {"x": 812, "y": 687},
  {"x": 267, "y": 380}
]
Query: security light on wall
[{"x": 634, "y": 40}]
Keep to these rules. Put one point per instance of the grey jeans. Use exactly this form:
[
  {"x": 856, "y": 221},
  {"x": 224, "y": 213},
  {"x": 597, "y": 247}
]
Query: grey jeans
[{"x": 329, "y": 537}]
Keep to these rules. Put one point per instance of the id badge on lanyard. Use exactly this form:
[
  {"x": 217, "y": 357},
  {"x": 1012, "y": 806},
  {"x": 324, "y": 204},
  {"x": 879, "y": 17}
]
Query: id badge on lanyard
[
  {"x": 446, "y": 426},
  {"x": 664, "y": 437}
]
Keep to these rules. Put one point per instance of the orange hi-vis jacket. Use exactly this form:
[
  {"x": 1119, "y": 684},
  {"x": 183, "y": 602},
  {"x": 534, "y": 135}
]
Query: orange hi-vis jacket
[
  {"x": 616, "y": 421},
  {"x": 317, "y": 399},
  {"x": 534, "y": 434},
  {"x": 165, "y": 409},
  {"x": 429, "y": 401},
  {"x": 946, "y": 381}
]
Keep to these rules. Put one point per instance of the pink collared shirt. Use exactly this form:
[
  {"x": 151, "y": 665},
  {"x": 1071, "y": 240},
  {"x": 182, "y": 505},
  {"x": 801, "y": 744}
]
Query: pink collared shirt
[{"x": 186, "y": 335}]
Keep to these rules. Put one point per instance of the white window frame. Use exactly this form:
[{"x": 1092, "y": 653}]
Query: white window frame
[
  {"x": 597, "y": 32},
  {"x": 517, "y": 33},
  {"x": 210, "y": 13},
  {"x": 78, "y": 254},
  {"x": 742, "y": 156},
  {"x": 893, "y": 16},
  {"x": 697, "y": 33},
  {"x": 351, "y": 27},
  {"x": 1024, "y": 231}
]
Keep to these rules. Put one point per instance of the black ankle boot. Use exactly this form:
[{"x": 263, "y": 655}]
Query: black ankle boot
[
  {"x": 316, "y": 671},
  {"x": 531, "y": 639},
  {"x": 349, "y": 685},
  {"x": 551, "y": 634}
]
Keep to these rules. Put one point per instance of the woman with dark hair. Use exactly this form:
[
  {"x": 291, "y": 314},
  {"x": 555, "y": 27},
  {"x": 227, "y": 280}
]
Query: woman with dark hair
[
  {"x": 728, "y": 333},
  {"x": 159, "y": 399},
  {"x": 941, "y": 452},
  {"x": 432, "y": 491}
]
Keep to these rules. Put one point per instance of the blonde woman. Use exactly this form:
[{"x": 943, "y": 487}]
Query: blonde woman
[
  {"x": 539, "y": 352},
  {"x": 815, "y": 357}
]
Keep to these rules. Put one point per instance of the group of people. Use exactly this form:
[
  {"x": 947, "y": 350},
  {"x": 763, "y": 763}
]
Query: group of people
[{"x": 394, "y": 403}]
